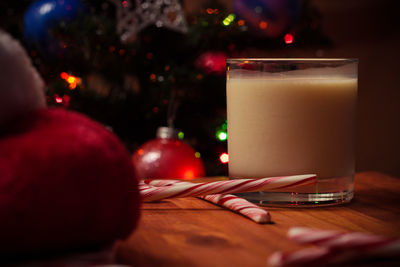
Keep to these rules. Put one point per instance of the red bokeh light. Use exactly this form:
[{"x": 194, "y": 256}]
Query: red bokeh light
[
  {"x": 224, "y": 158},
  {"x": 64, "y": 75},
  {"x": 58, "y": 99},
  {"x": 288, "y": 38},
  {"x": 263, "y": 25}
]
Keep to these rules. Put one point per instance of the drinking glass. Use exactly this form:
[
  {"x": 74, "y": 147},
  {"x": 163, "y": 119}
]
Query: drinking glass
[{"x": 293, "y": 116}]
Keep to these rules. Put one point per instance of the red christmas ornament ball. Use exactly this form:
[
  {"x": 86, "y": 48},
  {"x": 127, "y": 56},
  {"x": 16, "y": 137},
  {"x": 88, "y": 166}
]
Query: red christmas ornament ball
[
  {"x": 66, "y": 183},
  {"x": 212, "y": 62},
  {"x": 166, "y": 157}
]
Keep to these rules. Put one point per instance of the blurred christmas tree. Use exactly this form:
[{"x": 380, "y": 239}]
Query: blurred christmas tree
[{"x": 135, "y": 66}]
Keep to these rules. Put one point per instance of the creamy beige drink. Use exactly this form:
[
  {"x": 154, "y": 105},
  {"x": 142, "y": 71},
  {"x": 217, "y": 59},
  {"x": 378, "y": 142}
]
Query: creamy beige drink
[
  {"x": 291, "y": 126},
  {"x": 292, "y": 122}
]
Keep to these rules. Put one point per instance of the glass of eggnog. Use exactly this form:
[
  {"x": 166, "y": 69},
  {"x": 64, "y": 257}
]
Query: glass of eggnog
[{"x": 293, "y": 116}]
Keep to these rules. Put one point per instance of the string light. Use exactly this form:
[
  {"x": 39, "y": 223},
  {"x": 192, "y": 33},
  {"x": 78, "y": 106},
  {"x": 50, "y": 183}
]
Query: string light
[
  {"x": 224, "y": 158},
  {"x": 288, "y": 38},
  {"x": 222, "y": 135},
  {"x": 66, "y": 99},
  {"x": 263, "y": 25},
  {"x": 229, "y": 19},
  {"x": 58, "y": 99},
  {"x": 240, "y": 22},
  {"x": 181, "y": 135},
  {"x": 64, "y": 75},
  {"x": 73, "y": 81},
  {"x": 225, "y": 125},
  {"x": 197, "y": 155},
  {"x": 212, "y": 11}
]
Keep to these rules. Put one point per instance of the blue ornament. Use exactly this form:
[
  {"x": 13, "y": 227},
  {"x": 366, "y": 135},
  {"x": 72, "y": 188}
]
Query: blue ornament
[
  {"x": 41, "y": 17},
  {"x": 268, "y": 18}
]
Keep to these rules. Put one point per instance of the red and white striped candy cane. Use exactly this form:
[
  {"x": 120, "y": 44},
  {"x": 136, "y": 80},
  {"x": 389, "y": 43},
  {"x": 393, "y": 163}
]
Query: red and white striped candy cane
[
  {"x": 322, "y": 256},
  {"x": 241, "y": 206},
  {"x": 230, "y": 202},
  {"x": 309, "y": 257},
  {"x": 165, "y": 182},
  {"x": 336, "y": 239},
  {"x": 226, "y": 187},
  {"x": 335, "y": 247},
  {"x": 142, "y": 185}
]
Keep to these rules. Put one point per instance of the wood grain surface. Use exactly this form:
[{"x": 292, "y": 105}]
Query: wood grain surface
[{"x": 193, "y": 232}]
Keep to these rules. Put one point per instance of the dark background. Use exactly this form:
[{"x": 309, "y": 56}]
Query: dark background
[{"x": 369, "y": 30}]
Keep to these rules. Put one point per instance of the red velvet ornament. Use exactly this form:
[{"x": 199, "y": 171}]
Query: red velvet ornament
[
  {"x": 212, "y": 62},
  {"x": 66, "y": 182},
  {"x": 167, "y": 157}
]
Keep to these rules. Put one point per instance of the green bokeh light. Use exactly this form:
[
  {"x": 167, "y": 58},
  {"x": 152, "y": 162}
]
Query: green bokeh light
[
  {"x": 229, "y": 19},
  {"x": 222, "y": 135}
]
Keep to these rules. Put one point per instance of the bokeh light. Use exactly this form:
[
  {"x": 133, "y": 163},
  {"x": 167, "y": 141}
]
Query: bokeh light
[{"x": 224, "y": 158}]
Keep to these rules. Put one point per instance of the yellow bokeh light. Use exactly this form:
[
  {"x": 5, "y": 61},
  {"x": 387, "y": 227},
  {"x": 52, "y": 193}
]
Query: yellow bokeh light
[{"x": 71, "y": 79}]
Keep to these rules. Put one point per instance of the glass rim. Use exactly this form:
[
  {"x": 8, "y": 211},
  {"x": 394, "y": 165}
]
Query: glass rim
[{"x": 290, "y": 60}]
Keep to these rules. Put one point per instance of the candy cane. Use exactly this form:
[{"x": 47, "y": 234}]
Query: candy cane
[
  {"x": 164, "y": 182},
  {"x": 225, "y": 187},
  {"x": 322, "y": 256},
  {"x": 230, "y": 202},
  {"x": 335, "y": 247},
  {"x": 338, "y": 240},
  {"x": 309, "y": 257},
  {"x": 241, "y": 206},
  {"x": 142, "y": 185}
]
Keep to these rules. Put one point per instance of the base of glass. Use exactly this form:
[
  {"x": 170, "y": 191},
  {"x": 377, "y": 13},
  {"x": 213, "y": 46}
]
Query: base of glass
[
  {"x": 297, "y": 199},
  {"x": 326, "y": 192}
]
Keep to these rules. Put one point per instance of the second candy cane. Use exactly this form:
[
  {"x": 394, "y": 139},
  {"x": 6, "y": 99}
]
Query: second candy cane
[{"x": 228, "y": 201}]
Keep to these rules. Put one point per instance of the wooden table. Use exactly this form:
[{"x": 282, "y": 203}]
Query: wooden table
[{"x": 193, "y": 232}]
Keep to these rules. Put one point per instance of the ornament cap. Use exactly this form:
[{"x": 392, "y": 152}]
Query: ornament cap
[{"x": 167, "y": 133}]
